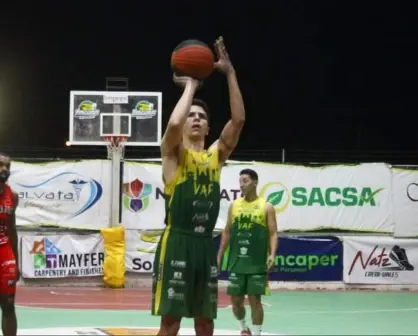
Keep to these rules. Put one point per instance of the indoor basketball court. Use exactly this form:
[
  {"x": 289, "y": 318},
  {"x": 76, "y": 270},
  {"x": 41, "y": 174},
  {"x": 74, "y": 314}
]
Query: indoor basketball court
[
  {"x": 123, "y": 118},
  {"x": 96, "y": 311}
]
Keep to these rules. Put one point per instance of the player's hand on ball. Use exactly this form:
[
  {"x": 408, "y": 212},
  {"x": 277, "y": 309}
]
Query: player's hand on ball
[
  {"x": 224, "y": 63},
  {"x": 183, "y": 81}
]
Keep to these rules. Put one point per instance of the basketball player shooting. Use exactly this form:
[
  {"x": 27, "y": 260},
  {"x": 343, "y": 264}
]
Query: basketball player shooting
[
  {"x": 185, "y": 275},
  {"x": 9, "y": 272}
]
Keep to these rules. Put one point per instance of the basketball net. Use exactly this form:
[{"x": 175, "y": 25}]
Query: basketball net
[{"x": 115, "y": 144}]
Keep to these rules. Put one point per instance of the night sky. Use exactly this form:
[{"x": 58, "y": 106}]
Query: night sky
[{"x": 314, "y": 75}]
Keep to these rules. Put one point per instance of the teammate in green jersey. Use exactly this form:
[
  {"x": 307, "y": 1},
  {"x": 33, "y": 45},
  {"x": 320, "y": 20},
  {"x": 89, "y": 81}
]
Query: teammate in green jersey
[
  {"x": 185, "y": 275},
  {"x": 251, "y": 234}
]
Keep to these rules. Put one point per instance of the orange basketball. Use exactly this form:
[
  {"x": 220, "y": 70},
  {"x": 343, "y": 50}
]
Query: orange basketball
[{"x": 192, "y": 58}]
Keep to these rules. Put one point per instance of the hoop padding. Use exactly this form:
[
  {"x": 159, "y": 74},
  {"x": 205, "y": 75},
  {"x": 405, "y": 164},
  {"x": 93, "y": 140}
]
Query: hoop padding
[{"x": 115, "y": 144}]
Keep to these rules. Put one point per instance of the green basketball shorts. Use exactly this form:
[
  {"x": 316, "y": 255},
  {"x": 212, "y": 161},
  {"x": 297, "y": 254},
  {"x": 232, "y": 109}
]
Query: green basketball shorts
[
  {"x": 248, "y": 284},
  {"x": 185, "y": 276}
]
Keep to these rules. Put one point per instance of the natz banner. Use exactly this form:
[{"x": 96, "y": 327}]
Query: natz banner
[
  {"x": 67, "y": 194},
  {"x": 62, "y": 256},
  {"x": 405, "y": 202},
  {"x": 302, "y": 259},
  {"x": 380, "y": 260},
  {"x": 140, "y": 250}
]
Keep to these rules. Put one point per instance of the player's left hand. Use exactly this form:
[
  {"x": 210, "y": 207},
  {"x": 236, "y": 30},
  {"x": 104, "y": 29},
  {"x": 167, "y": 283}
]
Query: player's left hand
[
  {"x": 224, "y": 63},
  {"x": 270, "y": 262}
]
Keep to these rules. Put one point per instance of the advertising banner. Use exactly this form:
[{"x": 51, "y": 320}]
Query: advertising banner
[
  {"x": 380, "y": 260},
  {"x": 303, "y": 259},
  {"x": 140, "y": 250},
  {"x": 356, "y": 198},
  {"x": 405, "y": 202},
  {"x": 67, "y": 194},
  {"x": 62, "y": 256}
]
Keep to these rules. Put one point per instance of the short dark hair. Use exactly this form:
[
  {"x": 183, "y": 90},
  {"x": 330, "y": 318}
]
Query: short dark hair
[
  {"x": 5, "y": 154},
  {"x": 203, "y": 105},
  {"x": 251, "y": 173}
]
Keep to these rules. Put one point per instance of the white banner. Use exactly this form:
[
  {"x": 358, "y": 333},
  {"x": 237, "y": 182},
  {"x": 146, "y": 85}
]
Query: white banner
[
  {"x": 68, "y": 194},
  {"x": 405, "y": 202},
  {"x": 140, "y": 250},
  {"x": 305, "y": 198},
  {"x": 380, "y": 260},
  {"x": 62, "y": 256}
]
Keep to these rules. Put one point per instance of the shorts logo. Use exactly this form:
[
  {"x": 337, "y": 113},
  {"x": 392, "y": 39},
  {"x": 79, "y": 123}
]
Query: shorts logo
[{"x": 213, "y": 271}]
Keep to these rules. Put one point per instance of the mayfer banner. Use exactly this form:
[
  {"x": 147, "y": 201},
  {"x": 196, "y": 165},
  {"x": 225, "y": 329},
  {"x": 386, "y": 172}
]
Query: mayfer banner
[
  {"x": 380, "y": 260},
  {"x": 302, "y": 259},
  {"x": 405, "y": 202},
  {"x": 67, "y": 194},
  {"x": 356, "y": 198},
  {"x": 62, "y": 256}
]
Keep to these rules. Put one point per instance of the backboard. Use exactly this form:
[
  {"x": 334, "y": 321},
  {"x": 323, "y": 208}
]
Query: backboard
[{"x": 143, "y": 117}]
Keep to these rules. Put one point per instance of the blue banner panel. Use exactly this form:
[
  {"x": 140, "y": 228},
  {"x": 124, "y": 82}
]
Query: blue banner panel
[{"x": 303, "y": 259}]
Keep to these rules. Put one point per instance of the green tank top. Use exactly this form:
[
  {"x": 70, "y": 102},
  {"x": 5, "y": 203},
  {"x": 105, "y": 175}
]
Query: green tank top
[
  {"x": 192, "y": 197},
  {"x": 249, "y": 237}
]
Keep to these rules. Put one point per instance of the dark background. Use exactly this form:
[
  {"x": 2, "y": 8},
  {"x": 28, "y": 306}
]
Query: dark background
[{"x": 329, "y": 81}]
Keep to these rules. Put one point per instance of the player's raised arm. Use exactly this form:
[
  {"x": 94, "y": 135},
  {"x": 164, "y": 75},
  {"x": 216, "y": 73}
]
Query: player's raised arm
[
  {"x": 230, "y": 134},
  {"x": 173, "y": 133}
]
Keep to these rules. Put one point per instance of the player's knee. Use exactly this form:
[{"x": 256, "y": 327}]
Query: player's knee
[
  {"x": 237, "y": 301},
  {"x": 203, "y": 326},
  {"x": 7, "y": 306},
  {"x": 254, "y": 300},
  {"x": 169, "y": 322}
]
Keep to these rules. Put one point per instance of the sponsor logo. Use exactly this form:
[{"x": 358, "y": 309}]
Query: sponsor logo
[
  {"x": 382, "y": 262},
  {"x": 50, "y": 261},
  {"x": 281, "y": 197},
  {"x": 144, "y": 110},
  {"x": 412, "y": 192},
  {"x": 60, "y": 191},
  {"x": 87, "y": 109},
  {"x": 136, "y": 195}
]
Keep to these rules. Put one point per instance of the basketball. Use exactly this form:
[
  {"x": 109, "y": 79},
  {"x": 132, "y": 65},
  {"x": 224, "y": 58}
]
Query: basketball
[{"x": 192, "y": 58}]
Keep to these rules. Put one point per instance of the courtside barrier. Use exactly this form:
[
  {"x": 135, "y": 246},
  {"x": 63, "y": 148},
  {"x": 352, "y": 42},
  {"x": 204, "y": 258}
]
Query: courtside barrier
[{"x": 114, "y": 262}]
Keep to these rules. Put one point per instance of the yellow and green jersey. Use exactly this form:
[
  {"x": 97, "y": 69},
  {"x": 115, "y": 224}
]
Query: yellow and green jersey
[
  {"x": 192, "y": 197},
  {"x": 249, "y": 237}
]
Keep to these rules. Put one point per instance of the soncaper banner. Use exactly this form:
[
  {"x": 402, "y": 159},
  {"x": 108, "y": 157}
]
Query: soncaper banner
[{"x": 354, "y": 198}]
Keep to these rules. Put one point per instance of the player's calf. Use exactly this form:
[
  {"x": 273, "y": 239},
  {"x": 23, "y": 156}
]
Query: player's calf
[
  {"x": 238, "y": 309},
  {"x": 203, "y": 326},
  {"x": 9, "y": 320},
  {"x": 170, "y": 326},
  {"x": 257, "y": 313}
]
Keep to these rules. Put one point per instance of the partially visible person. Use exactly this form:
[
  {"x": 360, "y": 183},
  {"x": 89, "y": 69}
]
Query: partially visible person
[
  {"x": 251, "y": 234},
  {"x": 9, "y": 255}
]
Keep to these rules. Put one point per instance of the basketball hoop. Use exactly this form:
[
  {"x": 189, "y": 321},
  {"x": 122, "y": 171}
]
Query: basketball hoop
[{"x": 115, "y": 143}]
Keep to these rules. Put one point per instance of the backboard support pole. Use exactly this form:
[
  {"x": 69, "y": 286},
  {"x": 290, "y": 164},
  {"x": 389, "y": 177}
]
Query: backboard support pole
[{"x": 116, "y": 84}]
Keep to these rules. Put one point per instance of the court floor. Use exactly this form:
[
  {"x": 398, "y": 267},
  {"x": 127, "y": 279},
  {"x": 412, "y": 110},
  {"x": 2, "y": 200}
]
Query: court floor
[{"x": 83, "y": 311}]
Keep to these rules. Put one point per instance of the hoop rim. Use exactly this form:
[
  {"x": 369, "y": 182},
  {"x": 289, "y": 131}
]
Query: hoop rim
[{"x": 115, "y": 140}]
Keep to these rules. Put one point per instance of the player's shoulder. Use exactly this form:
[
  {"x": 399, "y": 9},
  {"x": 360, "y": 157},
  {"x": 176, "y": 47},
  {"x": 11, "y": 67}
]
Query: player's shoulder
[
  {"x": 237, "y": 201},
  {"x": 267, "y": 205},
  {"x": 14, "y": 193}
]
